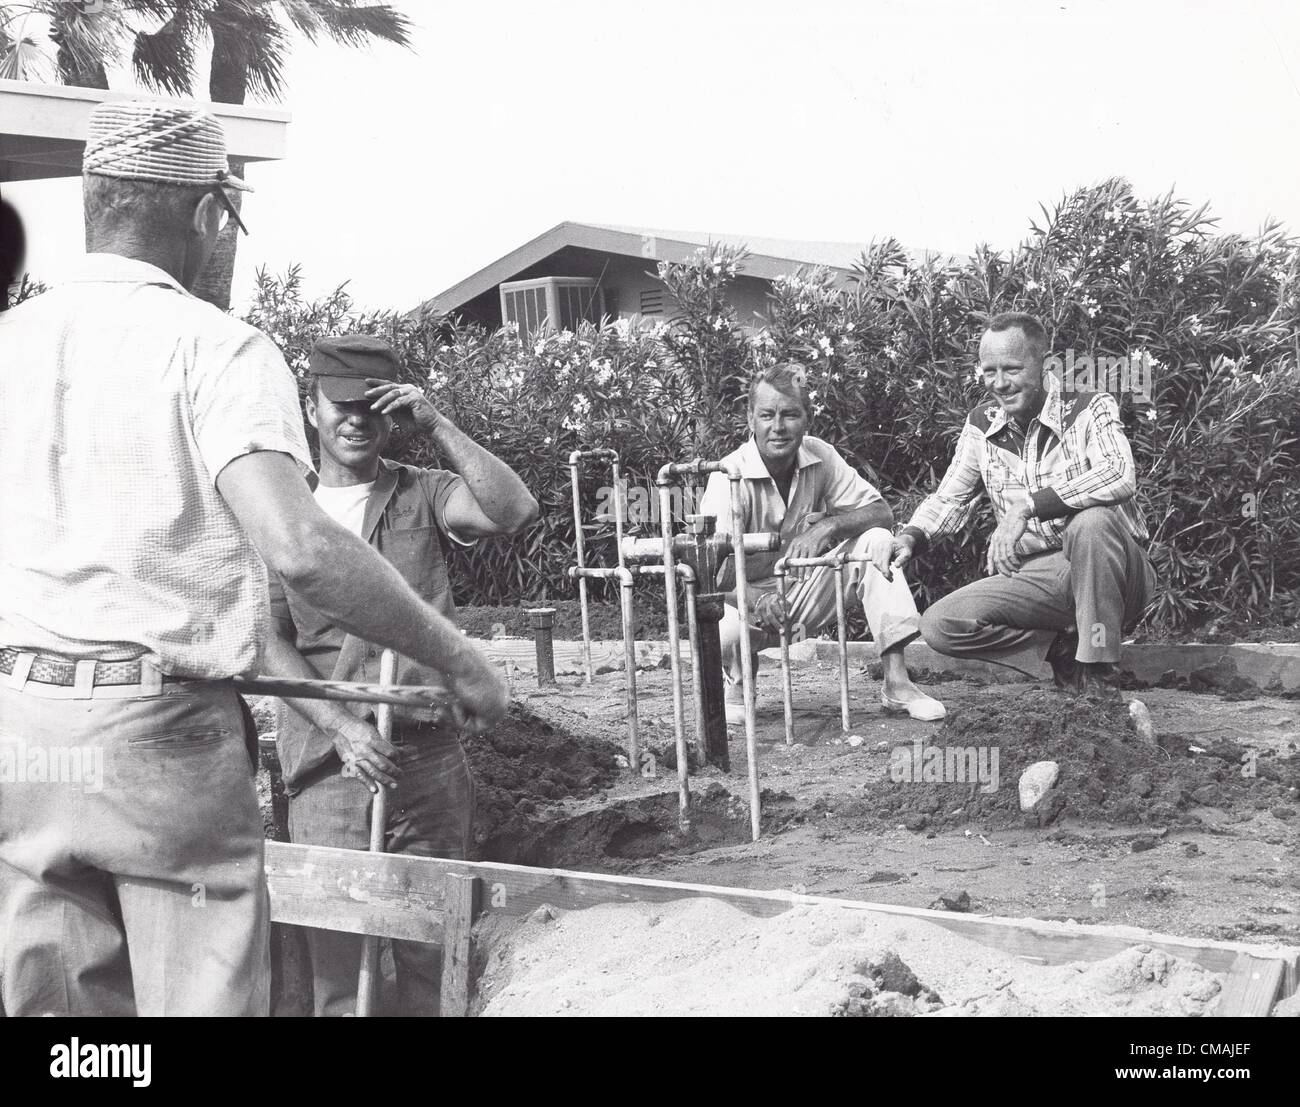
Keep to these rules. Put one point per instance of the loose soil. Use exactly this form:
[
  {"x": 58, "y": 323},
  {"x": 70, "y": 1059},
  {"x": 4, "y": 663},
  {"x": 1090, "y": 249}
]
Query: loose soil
[{"x": 1177, "y": 837}]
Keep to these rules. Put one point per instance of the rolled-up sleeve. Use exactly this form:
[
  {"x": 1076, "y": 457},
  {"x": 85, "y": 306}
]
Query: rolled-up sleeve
[
  {"x": 1111, "y": 477},
  {"x": 945, "y": 510},
  {"x": 244, "y": 399}
]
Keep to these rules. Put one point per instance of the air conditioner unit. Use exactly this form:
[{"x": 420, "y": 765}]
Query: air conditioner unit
[{"x": 560, "y": 303}]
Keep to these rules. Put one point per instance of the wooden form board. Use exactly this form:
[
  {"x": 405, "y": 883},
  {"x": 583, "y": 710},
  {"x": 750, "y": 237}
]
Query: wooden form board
[{"x": 401, "y": 896}]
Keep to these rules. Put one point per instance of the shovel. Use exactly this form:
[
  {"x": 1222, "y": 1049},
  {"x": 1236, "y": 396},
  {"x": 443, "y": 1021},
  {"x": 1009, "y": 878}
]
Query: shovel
[{"x": 378, "y": 825}]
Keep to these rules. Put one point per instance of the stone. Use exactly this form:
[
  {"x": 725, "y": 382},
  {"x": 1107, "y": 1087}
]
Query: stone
[
  {"x": 855, "y": 740},
  {"x": 952, "y": 901},
  {"x": 1137, "y": 711},
  {"x": 1036, "y": 781},
  {"x": 1141, "y": 785},
  {"x": 915, "y": 821}
]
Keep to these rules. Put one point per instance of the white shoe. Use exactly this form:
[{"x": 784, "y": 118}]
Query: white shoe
[{"x": 927, "y": 709}]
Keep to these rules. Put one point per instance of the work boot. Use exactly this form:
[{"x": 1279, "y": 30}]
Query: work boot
[{"x": 1060, "y": 655}]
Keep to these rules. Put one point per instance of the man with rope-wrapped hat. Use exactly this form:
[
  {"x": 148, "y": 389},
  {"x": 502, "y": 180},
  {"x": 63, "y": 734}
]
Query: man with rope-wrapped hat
[{"x": 150, "y": 473}]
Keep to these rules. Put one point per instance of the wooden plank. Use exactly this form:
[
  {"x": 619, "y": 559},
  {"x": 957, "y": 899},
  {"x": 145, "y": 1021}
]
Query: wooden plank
[
  {"x": 319, "y": 886},
  {"x": 1252, "y": 987},
  {"x": 354, "y": 891},
  {"x": 460, "y": 912}
]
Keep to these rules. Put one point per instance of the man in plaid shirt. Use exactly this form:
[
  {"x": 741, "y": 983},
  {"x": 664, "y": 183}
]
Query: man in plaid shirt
[{"x": 1067, "y": 564}]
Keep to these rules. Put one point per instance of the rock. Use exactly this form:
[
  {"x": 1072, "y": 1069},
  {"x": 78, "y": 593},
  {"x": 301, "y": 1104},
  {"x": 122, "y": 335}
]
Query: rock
[
  {"x": 1146, "y": 731},
  {"x": 1036, "y": 781},
  {"x": 880, "y": 747},
  {"x": 1142, "y": 843},
  {"x": 891, "y": 974},
  {"x": 1207, "y": 795},
  {"x": 1141, "y": 785},
  {"x": 543, "y": 914},
  {"x": 953, "y": 901},
  {"x": 1191, "y": 849},
  {"x": 890, "y": 1005},
  {"x": 855, "y": 740},
  {"x": 1283, "y": 812},
  {"x": 915, "y": 821}
]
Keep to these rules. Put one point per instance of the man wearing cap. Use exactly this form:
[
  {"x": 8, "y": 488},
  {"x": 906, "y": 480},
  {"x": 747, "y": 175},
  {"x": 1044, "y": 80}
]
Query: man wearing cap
[
  {"x": 411, "y": 516},
  {"x": 154, "y": 473}
]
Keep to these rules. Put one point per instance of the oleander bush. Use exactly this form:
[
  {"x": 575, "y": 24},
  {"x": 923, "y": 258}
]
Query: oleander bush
[{"x": 891, "y": 362}]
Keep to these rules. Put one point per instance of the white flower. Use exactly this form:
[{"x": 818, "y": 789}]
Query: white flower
[
  {"x": 545, "y": 441},
  {"x": 1151, "y": 414},
  {"x": 1258, "y": 378},
  {"x": 1032, "y": 285}
]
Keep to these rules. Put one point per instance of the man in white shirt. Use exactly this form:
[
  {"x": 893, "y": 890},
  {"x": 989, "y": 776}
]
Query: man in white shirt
[
  {"x": 154, "y": 472},
  {"x": 800, "y": 487}
]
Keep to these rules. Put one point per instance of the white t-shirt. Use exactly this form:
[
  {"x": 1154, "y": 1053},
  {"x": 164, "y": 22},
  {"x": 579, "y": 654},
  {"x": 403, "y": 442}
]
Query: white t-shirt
[{"x": 346, "y": 505}]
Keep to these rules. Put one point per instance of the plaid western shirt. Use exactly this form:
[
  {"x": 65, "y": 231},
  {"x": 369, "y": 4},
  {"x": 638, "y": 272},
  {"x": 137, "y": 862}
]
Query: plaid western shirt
[
  {"x": 124, "y": 397},
  {"x": 1073, "y": 455}
]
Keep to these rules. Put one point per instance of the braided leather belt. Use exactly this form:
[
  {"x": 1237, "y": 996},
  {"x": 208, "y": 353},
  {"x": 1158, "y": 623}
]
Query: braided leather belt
[{"x": 57, "y": 670}]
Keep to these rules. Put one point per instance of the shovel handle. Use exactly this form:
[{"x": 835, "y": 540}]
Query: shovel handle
[{"x": 369, "y": 975}]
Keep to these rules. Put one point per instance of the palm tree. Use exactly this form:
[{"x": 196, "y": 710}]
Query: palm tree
[{"x": 250, "y": 41}]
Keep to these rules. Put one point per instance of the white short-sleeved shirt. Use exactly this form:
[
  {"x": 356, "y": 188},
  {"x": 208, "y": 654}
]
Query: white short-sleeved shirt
[
  {"x": 123, "y": 398},
  {"x": 823, "y": 484}
]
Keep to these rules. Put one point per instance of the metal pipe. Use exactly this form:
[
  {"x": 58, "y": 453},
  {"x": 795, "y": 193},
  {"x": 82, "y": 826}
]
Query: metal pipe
[
  {"x": 746, "y": 661},
  {"x": 787, "y": 690},
  {"x": 687, "y": 574},
  {"x": 369, "y": 974},
  {"x": 574, "y": 459},
  {"x": 670, "y": 598},
  {"x": 542, "y": 620},
  {"x": 836, "y": 562},
  {"x": 625, "y": 578},
  {"x": 843, "y": 636}
]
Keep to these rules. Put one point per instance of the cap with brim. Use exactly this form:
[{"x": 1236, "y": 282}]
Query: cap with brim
[
  {"x": 342, "y": 365},
  {"x": 146, "y": 140}
]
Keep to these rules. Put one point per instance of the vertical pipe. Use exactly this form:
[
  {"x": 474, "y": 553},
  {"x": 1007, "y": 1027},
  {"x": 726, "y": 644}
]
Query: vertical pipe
[
  {"x": 746, "y": 661},
  {"x": 369, "y": 975},
  {"x": 670, "y": 593},
  {"x": 582, "y": 561},
  {"x": 620, "y": 507},
  {"x": 697, "y": 672},
  {"x": 543, "y": 621},
  {"x": 787, "y": 691},
  {"x": 629, "y": 670},
  {"x": 843, "y": 636}
]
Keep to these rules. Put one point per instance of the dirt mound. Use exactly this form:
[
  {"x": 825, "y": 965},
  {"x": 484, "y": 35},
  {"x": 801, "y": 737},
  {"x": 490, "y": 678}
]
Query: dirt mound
[
  {"x": 1107, "y": 773},
  {"x": 524, "y": 766}
]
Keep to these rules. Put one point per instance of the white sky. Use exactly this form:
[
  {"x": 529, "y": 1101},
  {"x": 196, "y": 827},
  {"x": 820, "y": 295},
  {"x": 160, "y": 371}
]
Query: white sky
[{"x": 942, "y": 123}]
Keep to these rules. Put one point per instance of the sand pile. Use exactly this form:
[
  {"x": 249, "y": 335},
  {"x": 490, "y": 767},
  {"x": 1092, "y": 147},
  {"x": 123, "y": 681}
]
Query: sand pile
[
  {"x": 706, "y": 957},
  {"x": 1107, "y": 773}
]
